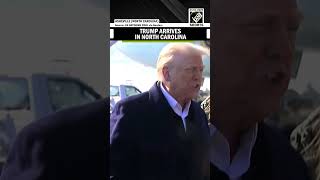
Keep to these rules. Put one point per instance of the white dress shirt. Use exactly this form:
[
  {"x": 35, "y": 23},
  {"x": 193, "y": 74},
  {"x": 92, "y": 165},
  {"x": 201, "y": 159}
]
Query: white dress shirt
[
  {"x": 220, "y": 152},
  {"x": 183, "y": 113}
]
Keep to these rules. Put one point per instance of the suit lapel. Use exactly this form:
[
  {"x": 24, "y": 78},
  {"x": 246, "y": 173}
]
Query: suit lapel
[
  {"x": 260, "y": 161},
  {"x": 191, "y": 121},
  {"x": 170, "y": 126},
  {"x": 169, "y": 119}
]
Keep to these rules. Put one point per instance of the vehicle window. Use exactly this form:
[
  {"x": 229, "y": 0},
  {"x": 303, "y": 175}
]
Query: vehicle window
[
  {"x": 14, "y": 94},
  {"x": 130, "y": 91},
  {"x": 114, "y": 91},
  {"x": 67, "y": 93}
]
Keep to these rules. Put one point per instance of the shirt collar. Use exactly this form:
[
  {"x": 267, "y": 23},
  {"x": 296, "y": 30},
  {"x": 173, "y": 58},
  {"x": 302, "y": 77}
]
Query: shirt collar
[
  {"x": 177, "y": 108},
  {"x": 220, "y": 152}
]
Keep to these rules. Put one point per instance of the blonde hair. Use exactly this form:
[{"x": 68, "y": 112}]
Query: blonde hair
[{"x": 166, "y": 56}]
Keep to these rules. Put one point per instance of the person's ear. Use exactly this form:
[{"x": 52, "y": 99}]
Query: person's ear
[{"x": 166, "y": 73}]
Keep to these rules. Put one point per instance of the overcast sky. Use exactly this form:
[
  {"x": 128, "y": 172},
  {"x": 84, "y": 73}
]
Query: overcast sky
[{"x": 309, "y": 72}]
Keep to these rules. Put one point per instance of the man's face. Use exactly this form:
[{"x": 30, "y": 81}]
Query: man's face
[
  {"x": 186, "y": 76},
  {"x": 253, "y": 45}
]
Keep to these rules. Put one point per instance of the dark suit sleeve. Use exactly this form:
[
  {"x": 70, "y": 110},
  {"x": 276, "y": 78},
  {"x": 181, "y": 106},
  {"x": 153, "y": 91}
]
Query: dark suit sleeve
[
  {"x": 123, "y": 151},
  {"x": 24, "y": 161}
]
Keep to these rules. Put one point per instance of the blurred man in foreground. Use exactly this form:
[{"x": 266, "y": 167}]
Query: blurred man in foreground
[
  {"x": 163, "y": 134},
  {"x": 253, "y": 46},
  {"x": 70, "y": 144}
]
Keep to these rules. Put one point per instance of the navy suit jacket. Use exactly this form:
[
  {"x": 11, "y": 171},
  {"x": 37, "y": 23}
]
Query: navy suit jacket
[
  {"x": 68, "y": 145},
  {"x": 148, "y": 141}
]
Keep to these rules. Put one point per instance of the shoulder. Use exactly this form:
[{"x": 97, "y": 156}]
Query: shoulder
[
  {"x": 68, "y": 137},
  {"x": 128, "y": 108},
  {"x": 277, "y": 142},
  {"x": 75, "y": 117},
  {"x": 201, "y": 117},
  {"x": 198, "y": 106},
  {"x": 67, "y": 127},
  {"x": 199, "y": 110},
  {"x": 131, "y": 106},
  {"x": 133, "y": 102},
  {"x": 282, "y": 154}
]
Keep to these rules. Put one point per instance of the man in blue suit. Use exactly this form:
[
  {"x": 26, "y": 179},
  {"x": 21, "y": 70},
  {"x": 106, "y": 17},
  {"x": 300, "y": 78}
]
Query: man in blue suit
[{"x": 163, "y": 134}]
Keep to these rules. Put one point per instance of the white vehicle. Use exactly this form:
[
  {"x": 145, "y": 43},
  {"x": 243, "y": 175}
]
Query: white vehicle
[
  {"x": 120, "y": 92},
  {"x": 24, "y": 98}
]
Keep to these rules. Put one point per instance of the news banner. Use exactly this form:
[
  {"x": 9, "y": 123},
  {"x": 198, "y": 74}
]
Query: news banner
[{"x": 154, "y": 30}]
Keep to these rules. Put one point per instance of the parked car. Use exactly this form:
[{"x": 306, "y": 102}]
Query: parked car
[
  {"x": 120, "y": 92},
  {"x": 26, "y": 98}
]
